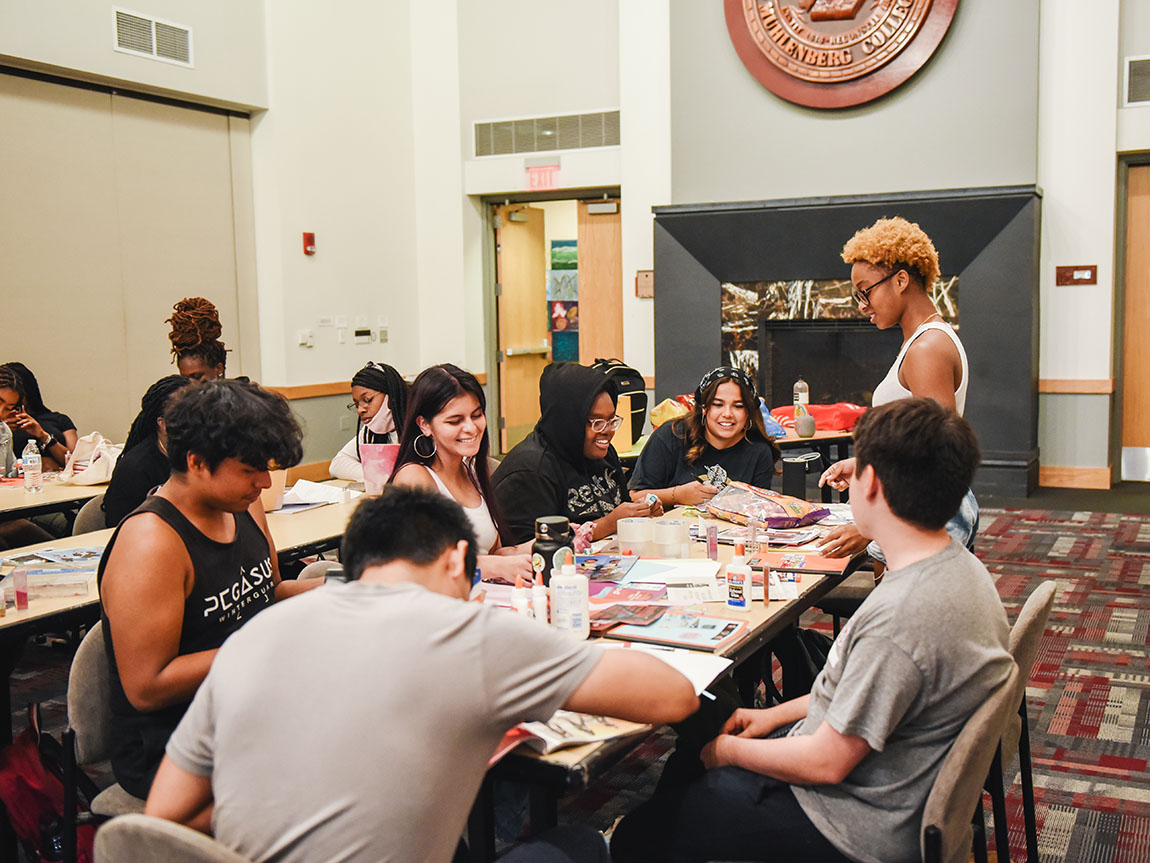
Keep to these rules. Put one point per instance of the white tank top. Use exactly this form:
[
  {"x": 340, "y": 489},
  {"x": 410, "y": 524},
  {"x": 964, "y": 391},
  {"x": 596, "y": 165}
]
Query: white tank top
[
  {"x": 889, "y": 389},
  {"x": 479, "y": 516}
]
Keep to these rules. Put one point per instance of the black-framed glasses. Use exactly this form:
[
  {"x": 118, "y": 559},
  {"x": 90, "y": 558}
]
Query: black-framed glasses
[
  {"x": 600, "y": 425},
  {"x": 863, "y": 296}
]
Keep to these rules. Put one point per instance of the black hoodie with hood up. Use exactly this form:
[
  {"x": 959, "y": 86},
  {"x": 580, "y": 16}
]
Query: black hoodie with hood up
[{"x": 547, "y": 473}]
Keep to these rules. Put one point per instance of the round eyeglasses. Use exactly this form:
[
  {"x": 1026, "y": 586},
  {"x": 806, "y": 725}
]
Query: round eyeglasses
[{"x": 599, "y": 425}]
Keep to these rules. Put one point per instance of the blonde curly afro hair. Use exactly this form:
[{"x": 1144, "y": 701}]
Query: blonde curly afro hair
[{"x": 893, "y": 243}]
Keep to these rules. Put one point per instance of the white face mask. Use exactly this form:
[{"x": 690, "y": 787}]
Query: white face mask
[{"x": 382, "y": 422}]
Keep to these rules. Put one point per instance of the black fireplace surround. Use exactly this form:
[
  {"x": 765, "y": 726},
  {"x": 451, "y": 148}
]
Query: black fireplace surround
[{"x": 988, "y": 237}]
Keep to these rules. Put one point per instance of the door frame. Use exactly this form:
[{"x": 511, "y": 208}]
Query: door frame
[
  {"x": 490, "y": 308},
  {"x": 1117, "y": 336}
]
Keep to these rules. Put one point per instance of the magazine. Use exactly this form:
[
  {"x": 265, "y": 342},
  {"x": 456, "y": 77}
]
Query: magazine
[
  {"x": 604, "y": 567},
  {"x": 565, "y": 728},
  {"x": 603, "y": 619},
  {"x": 684, "y": 628},
  {"x": 771, "y": 536},
  {"x": 799, "y": 561}
]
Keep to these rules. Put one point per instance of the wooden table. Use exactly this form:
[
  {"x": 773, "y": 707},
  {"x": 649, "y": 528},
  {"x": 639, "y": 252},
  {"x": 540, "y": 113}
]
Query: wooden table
[
  {"x": 56, "y": 497},
  {"x": 575, "y": 769}
]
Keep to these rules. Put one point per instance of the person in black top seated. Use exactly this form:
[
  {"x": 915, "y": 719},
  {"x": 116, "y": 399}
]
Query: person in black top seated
[
  {"x": 191, "y": 564},
  {"x": 54, "y": 433},
  {"x": 567, "y": 465},
  {"x": 143, "y": 465},
  {"x": 688, "y": 460}
]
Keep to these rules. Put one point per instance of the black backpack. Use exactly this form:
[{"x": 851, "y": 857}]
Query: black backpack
[{"x": 630, "y": 383}]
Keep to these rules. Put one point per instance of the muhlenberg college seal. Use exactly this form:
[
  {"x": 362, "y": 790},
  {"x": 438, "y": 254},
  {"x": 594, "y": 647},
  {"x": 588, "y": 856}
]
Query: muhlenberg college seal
[{"x": 835, "y": 53}]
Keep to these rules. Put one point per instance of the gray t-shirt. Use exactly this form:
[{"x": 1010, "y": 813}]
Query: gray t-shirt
[
  {"x": 916, "y": 660},
  {"x": 354, "y": 722},
  {"x": 7, "y": 453}
]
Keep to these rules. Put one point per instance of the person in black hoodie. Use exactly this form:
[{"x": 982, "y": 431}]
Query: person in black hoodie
[{"x": 567, "y": 465}]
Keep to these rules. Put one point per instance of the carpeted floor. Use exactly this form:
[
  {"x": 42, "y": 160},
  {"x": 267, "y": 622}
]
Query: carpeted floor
[{"x": 1088, "y": 695}]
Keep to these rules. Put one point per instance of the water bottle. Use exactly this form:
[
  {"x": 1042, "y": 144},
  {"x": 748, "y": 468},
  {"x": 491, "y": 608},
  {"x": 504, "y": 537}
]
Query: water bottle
[
  {"x": 802, "y": 392},
  {"x": 31, "y": 462}
]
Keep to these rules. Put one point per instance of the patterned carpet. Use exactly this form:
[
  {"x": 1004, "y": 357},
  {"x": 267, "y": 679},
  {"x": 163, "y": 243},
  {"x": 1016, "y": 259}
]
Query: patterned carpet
[{"x": 1088, "y": 694}]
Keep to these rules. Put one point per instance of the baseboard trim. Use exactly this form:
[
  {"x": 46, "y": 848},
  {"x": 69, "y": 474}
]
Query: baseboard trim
[
  {"x": 1074, "y": 477},
  {"x": 333, "y": 388},
  {"x": 316, "y": 471}
]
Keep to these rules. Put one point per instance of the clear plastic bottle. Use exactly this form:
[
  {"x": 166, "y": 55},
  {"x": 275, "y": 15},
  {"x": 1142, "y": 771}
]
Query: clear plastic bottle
[
  {"x": 33, "y": 481},
  {"x": 570, "y": 602},
  {"x": 802, "y": 392}
]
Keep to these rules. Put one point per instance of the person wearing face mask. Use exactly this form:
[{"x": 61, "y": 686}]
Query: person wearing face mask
[
  {"x": 567, "y": 465},
  {"x": 379, "y": 398},
  {"x": 444, "y": 448},
  {"x": 688, "y": 460}
]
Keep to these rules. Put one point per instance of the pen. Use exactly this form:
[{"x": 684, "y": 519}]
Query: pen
[{"x": 707, "y": 694}]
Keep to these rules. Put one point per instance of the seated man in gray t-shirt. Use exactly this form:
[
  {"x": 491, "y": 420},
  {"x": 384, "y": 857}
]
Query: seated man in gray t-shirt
[
  {"x": 844, "y": 772},
  {"x": 355, "y": 723}
]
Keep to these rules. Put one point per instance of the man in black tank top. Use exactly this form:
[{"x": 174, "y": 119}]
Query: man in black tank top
[{"x": 191, "y": 564}]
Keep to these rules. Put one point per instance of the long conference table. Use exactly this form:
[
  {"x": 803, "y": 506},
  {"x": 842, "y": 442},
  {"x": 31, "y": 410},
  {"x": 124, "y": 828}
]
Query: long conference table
[{"x": 54, "y": 497}]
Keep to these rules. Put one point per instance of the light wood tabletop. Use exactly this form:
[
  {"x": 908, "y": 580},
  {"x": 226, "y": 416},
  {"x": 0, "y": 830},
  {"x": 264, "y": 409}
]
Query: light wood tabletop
[{"x": 55, "y": 496}]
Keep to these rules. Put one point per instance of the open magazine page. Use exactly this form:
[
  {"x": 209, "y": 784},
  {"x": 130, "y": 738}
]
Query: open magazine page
[{"x": 565, "y": 728}]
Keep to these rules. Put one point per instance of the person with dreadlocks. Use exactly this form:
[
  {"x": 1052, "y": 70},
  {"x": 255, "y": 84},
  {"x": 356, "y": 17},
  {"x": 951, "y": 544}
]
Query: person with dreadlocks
[
  {"x": 379, "y": 398},
  {"x": 54, "y": 432},
  {"x": 143, "y": 465},
  {"x": 195, "y": 337},
  {"x": 14, "y": 532}
]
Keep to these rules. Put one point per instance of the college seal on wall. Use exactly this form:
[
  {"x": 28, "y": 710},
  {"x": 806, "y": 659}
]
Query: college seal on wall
[{"x": 836, "y": 53}]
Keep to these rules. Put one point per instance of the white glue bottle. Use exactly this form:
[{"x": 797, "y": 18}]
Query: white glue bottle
[
  {"x": 570, "y": 602},
  {"x": 539, "y": 598},
  {"x": 519, "y": 597},
  {"x": 738, "y": 581}
]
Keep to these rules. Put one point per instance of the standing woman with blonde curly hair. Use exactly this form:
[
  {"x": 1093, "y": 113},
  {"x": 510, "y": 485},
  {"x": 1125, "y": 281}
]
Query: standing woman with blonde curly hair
[{"x": 893, "y": 266}]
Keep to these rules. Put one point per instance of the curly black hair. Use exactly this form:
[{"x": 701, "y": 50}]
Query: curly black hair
[{"x": 232, "y": 419}]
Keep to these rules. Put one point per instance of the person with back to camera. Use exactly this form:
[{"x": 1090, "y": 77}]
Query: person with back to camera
[
  {"x": 444, "y": 448},
  {"x": 55, "y": 433},
  {"x": 893, "y": 265},
  {"x": 195, "y": 338},
  {"x": 379, "y": 397},
  {"x": 567, "y": 466},
  {"x": 191, "y": 564},
  {"x": 688, "y": 460},
  {"x": 843, "y": 773},
  {"x": 143, "y": 464}
]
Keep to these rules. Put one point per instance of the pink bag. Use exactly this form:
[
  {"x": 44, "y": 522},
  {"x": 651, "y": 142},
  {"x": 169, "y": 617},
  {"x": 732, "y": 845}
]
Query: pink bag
[
  {"x": 378, "y": 460},
  {"x": 742, "y": 504}
]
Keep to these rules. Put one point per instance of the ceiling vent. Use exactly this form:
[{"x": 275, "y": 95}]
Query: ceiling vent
[
  {"x": 540, "y": 134},
  {"x": 150, "y": 37},
  {"x": 1138, "y": 81}
]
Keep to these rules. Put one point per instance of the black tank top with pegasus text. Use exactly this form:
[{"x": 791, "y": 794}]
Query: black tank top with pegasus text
[{"x": 232, "y": 581}]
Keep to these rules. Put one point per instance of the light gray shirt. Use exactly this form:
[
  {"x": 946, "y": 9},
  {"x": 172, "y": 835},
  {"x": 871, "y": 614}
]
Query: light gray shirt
[
  {"x": 355, "y": 722},
  {"x": 7, "y": 454},
  {"x": 916, "y": 660}
]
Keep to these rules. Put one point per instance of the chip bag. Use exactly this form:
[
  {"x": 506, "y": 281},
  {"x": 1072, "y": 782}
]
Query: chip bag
[{"x": 742, "y": 503}]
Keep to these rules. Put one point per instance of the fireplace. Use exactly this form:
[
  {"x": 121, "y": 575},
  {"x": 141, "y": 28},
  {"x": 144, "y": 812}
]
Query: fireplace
[{"x": 987, "y": 239}]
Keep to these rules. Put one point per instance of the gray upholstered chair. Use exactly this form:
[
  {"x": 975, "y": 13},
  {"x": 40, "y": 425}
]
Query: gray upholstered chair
[
  {"x": 957, "y": 791},
  {"x": 90, "y": 517},
  {"x": 1025, "y": 639},
  {"x": 144, "y": 839},
  {"x": 89, "y": 721}
]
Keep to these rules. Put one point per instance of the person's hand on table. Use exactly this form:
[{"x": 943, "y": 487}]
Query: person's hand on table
[
  {"x": 505, "y": 567},
  {"x": 844, "y": 541},
  {"x": 693, "y": 493},
  {"x": 838, "y": 475},
  {"x": 608, "y": 524}
]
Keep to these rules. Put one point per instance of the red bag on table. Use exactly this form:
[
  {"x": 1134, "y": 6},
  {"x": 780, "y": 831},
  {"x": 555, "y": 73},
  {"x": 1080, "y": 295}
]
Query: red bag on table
[{"x": 841, "y": 416}]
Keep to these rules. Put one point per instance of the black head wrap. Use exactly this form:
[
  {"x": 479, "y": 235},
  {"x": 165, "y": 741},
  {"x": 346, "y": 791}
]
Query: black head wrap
[
  {"x": 566, "y": 393},
  {"x": 385, "y": 379}
]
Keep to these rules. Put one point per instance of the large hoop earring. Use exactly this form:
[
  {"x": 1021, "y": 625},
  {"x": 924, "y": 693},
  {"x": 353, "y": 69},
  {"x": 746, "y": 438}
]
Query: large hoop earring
[{"x": 415, "y": 446}]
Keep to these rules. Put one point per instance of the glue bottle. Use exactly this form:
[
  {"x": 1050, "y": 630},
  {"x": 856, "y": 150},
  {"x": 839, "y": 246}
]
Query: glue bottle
[
  {"x": 519, "y": 598},
  {"x": 738, "y": 581},
  {"x": 570, "y": 602},
  {"x": 539, "y": 598}
]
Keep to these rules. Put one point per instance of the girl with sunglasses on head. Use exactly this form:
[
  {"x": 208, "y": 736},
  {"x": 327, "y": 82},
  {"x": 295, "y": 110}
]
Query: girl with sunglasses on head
[
  {"x": 379, "y": 398},
  {"x": 444, "y": 447},
  {"x": 688, "y": 460},
  {"x": 893, "y": 266},
  {"x": 567, "y": 466}
]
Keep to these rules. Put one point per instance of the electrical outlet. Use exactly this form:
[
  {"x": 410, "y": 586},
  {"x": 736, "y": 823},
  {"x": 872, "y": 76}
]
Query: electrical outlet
[
  {"x": 383, "y": 335},
  {"x": 345, "y": 423}
]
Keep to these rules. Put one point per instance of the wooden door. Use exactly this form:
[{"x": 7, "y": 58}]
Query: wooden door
[
  {"x": 600, "y": 283},
  {"x": 1135, "y": 345},
  {"x": 524, "y": 338}
]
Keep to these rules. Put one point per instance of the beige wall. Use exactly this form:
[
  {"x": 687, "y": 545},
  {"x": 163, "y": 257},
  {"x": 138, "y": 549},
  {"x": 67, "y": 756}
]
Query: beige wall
[{"x": 75, "y": 37}]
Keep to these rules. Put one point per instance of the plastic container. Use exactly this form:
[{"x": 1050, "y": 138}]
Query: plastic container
[
  {"x": 571, "y": 602},
  {"x": 802, "y": 392},
  {"x": 519, "y": 599},
  {"x": 539, "y": 599},
  {"x": 20, "y": 586},
  {"x": 33, "y": 480},
  {"x": 738, "y": 581},
  {"x": 552, "y": 532},
  {"x": 635, "y": 535}
]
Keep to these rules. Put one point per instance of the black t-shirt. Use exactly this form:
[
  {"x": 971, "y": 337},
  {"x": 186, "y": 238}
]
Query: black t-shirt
[
  {"x": 51, "y": 421},
  {"x": 663, "y": 462},
  {"x": 137, "y": 472}
]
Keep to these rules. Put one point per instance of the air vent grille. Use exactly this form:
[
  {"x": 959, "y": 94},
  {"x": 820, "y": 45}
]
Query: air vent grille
[
  {"x": 149, "y": 37},
  {"x": 1137, "y": 80},
  {"x": 535, "y": 134}
]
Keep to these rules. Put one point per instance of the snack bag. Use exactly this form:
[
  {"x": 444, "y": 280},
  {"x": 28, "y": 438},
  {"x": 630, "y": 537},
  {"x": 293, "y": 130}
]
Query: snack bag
[{"x": 742, "y": 503}]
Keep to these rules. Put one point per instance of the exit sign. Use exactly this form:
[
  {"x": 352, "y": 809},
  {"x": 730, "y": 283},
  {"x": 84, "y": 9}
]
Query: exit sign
[{"x": 543, "y": 177}]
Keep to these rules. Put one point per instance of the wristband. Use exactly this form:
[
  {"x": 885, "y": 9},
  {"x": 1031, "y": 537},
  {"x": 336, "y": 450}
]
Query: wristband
[{"x": 46, "y": 445}]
